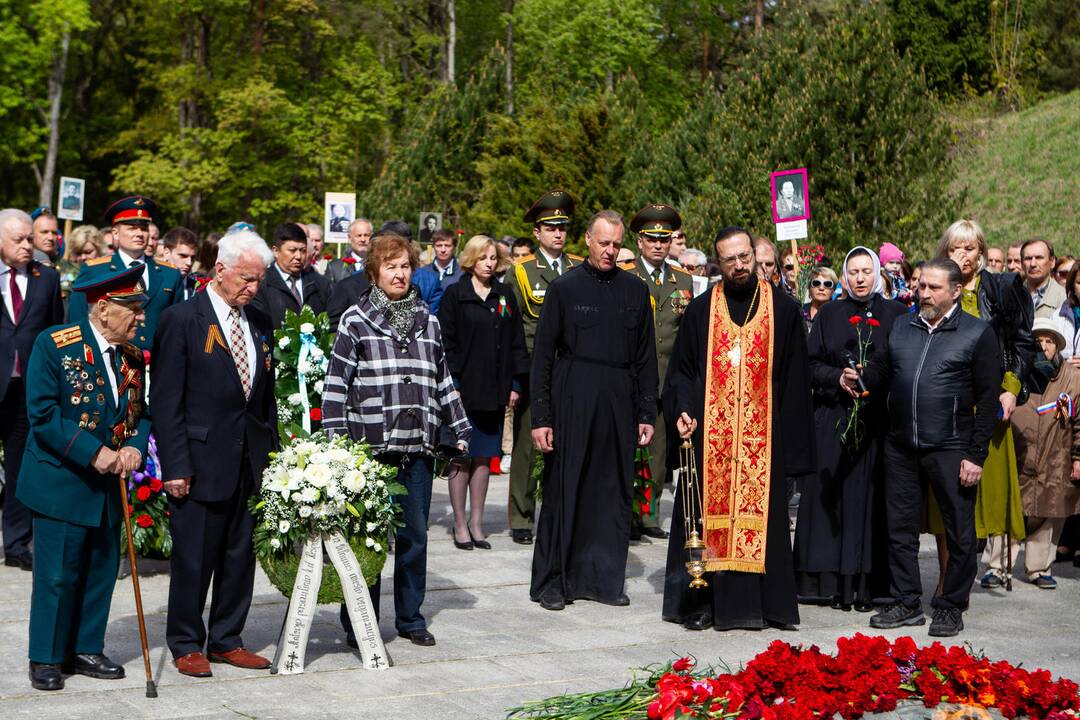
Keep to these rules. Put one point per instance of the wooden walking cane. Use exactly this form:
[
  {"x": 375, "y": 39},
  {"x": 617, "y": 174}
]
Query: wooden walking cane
[{"x": 151, "y": 689}]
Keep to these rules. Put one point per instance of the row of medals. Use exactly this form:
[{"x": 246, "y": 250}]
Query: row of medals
[{"x": 79, "y": 379}]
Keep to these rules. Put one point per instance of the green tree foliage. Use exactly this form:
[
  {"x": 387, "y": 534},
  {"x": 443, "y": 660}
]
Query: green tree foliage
[
  {"x": 871, "y": 137},
  {"x": 948, "y": 39}
]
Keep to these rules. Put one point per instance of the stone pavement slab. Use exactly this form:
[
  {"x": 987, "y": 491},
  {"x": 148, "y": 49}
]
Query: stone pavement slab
[{"x": 496, "y": 649}]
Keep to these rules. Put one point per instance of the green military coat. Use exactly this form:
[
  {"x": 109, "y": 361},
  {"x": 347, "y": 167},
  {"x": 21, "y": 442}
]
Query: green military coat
[
  {"x": 669, "y": 301},
  {"x": 532, "y": 275},
  {"x": 72, "y": 415}
]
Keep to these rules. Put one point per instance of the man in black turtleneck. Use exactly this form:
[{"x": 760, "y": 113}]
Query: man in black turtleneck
[
  {"x": 738, "y": 384},
  {"x": 594, "y": 388}
]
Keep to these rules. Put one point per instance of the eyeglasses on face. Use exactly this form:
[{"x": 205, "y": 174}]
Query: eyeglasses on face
[
  {"x": 744, "y": 258},
  {"x": 788, "y": 267},
  {"x": 827, "y": 284}
]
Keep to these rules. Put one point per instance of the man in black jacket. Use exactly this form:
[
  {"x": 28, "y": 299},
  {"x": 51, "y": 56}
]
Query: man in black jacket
[
  {"x": 216, "y": 423},
  {"x": 946, "y": 378},
  {"x": 31, "y": 303},
  {"x": 291, "y": 283}
]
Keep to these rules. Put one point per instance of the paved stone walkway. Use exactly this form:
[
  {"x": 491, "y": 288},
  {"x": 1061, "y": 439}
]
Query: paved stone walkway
[{"x": 495, "y": 648}]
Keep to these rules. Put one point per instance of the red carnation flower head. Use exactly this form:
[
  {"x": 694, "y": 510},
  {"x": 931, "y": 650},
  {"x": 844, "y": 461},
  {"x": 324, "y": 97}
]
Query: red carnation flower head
[
  {"x": 854, "y": 319},
  {"x": 328, "y": 256},
  {"x": 143, "y": 493},
  {"x": 155, "y": 485},
  {"x": 316, "y": 414},
  {"x": 873, "y": 322},
  {"x": 144, "y": 521},
  {"x": 683, "y": 663},
  {"x": 350, "y": 260}
]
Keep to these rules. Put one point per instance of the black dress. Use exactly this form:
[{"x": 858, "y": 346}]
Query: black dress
[
  {"x": 839, "y": 539},
  {"x": 740, "y": 599},
  {"x": 593, "y": 381}
]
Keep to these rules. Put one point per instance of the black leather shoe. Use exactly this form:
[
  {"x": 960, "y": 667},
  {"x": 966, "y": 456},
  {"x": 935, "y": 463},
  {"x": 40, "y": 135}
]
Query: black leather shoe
[
  {"x": 655, "y": 532},
  {"x": 621, "y": 601},
  {"x": 698, "y": 621},
  {"x": 552, "y": 603},
  {"x": 464, "y": 545},
  {"x": 418, "y": 637},
  {"x": 25, "y": 561},
  {"x": 635, "y": 534},
  {"x": 44, "y": 676},
  {"x": 480, "y": 544},
  {"x": 522, "y": 536},
  {"x": 95, "y": 665}
]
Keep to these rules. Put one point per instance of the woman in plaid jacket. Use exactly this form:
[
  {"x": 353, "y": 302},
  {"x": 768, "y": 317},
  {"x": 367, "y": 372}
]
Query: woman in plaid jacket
[{"x": 388, "y": 384}]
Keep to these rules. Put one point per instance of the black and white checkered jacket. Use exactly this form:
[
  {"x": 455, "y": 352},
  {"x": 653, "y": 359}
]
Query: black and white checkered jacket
[{"x": 393, "y": 392}]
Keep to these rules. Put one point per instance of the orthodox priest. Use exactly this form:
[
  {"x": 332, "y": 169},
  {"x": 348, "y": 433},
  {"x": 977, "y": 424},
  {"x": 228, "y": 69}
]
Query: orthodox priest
[
  {"x": 594, "y": 386},
  {"x": 738, "y": 384}
]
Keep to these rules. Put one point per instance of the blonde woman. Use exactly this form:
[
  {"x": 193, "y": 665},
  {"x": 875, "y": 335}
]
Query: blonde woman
[
  {"x": 1003, "y": 303},
  {"x": 484, "y": 342}
]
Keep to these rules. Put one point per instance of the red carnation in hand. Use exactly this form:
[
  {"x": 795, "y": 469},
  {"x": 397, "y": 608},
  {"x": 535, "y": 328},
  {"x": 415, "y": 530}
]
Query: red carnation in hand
[
  {"x": 155, "y": 485},
  {"x": 350, "y": 260},
  {"x": 873, "y": 322},
  {"x": 144, "y": 521},
  {"x": 854, "y": 319},
  {"x": 316, "y": 414},
  {"x": 143, "y": 493}
]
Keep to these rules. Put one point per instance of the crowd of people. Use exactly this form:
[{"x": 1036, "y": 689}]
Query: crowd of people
[{"x": 855, "y": 389}]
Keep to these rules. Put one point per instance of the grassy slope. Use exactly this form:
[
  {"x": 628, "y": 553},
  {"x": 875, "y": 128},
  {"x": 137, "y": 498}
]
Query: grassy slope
[{"x": 1021, "y": 172}]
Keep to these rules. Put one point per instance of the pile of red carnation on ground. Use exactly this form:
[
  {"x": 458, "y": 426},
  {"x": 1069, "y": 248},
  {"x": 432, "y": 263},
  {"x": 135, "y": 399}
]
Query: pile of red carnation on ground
[{"x": 867, "y": 675}]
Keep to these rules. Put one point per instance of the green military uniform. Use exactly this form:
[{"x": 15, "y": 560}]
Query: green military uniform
[
  {"x": 531, "y": 277},
  {"x": 671, "y": 290},
  {"x": 77, "y": 511},
  {"x": 164, "y": 283}
]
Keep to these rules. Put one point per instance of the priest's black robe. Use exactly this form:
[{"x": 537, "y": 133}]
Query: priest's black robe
[
  {"x": 840, "y": 540},
  {"x": 594, "y": 379},
  {"x": 741, "y": 599}
]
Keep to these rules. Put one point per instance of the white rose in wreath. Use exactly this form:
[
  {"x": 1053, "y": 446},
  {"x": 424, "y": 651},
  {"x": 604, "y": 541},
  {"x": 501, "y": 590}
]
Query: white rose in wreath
[
  {"x": 305, "y": 511},
  {"x": 309, "y": 494},
  {"x": 319, "y": 475},
  {"x": 283, "y": 342},
  {"x": 317, "y": 352},
  {"x": 354, "y": 481},
  {"x": 307, "y": 328},
  {"x": 283, "y": 526}
]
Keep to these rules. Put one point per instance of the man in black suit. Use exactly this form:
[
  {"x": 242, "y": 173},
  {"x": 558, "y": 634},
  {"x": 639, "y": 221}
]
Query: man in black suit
[
  {"x": 31, "y": 303},
  {"x": 212, "y": 391},
  {"x": 291, "y": 283}
]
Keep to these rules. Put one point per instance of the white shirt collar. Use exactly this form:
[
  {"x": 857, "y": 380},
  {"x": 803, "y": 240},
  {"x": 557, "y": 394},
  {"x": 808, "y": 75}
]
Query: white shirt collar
[
  {"x": 128, "y": 259},
  {"x": 649, "y": 267},
  {"x": 551, "y": 260},
  {"x": 286, "y": 276},
  {"x": 221, "y": 308}
]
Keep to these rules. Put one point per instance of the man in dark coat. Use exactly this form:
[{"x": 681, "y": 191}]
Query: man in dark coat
[
  {"x": 216, "y": 423},
  {"x": 594, "y": 389},
  {"x": 739, "y": 385},
  {"x": 31, "y": 303},
  {"x": 291, "y": 283}
]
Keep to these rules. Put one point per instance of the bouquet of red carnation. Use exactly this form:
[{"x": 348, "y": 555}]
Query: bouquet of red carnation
[
  {"x": 810, "y": 258},
  {"x": 149, "y": 508}
]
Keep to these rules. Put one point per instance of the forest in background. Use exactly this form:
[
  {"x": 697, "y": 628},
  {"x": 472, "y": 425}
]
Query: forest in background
[{"x": 251, "y": 109}]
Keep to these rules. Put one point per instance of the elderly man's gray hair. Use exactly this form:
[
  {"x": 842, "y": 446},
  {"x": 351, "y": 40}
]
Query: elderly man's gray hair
[
  {"x": 244, "y": 242},
  {"x": 361, "y": 220},
  {"x": 695, "y": 255},
  {"x": 9, "y": 214}
]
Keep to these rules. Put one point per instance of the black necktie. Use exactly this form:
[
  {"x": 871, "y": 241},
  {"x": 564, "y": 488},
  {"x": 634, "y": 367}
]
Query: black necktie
[{"x": 111, "y": 352}]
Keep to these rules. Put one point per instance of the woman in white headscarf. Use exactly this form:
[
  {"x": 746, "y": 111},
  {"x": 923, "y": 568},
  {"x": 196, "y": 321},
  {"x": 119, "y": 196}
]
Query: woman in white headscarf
[{"x": 839, "y": 539}]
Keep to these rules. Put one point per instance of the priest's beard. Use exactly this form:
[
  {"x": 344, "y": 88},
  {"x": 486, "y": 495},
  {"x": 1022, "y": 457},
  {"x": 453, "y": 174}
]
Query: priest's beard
[{"x": 739, "y": 284}]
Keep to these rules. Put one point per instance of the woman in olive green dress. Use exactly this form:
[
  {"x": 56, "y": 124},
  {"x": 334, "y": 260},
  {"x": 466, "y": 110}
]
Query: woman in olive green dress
[{"x": 1004, "y": 303}]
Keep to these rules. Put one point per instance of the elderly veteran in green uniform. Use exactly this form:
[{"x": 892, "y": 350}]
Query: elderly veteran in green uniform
[
  {"x": 84, "y": 391},
  {"x": 671, "y": 289},
  {"x": 550, "y": 216},
  {"x": 130, "y": 219}
]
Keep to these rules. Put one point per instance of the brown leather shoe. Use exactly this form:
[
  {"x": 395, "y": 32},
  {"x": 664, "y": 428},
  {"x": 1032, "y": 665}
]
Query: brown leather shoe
[
  {"x": 241, "y": 658},
  {"x": 193, "y": 664}
]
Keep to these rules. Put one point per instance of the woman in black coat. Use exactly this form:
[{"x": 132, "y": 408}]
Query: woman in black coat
[
  {"x": 484, "y": 342},
  {"x": 839, "y": 543}
]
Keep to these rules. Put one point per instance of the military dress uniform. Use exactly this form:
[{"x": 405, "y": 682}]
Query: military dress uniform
[
  {"x": 79, "y": 400},
  {"x": 163, "y": 282},
  {"x": 531, "y": 278},
  {"x": 671, "y": 289}
]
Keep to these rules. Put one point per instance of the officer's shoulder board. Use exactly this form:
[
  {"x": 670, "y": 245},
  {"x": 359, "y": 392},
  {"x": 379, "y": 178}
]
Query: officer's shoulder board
[
  {"x": 98, "y": 261},
  {"x": 66, "y": 336},
  {"x": 577, "y": 258},
  {"x": 628, "y": 265},
  {"x": 678, "y": 269},
  {"x": 527, "y": 258},
  {"x": 165, "y": 263}
]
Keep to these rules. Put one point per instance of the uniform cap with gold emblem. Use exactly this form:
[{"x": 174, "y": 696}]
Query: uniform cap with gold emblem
[
  {"x": 101, "y": 282},
  {"x": 554, "y": 207},
  {"x": 656, "y": 221},
  {"x": 134, "y": 209}
]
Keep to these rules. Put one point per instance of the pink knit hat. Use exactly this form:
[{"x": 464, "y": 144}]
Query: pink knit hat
[{"x": 888, "y": 253}]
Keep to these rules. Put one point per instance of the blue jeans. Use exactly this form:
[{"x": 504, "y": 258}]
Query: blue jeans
[{"x": 410, "y": 548}]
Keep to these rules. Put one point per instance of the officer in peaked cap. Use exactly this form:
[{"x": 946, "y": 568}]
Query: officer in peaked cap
[
  {"x": 84, "y": 400},
  {"x": 671, "y": 289},
  {"x": 129, "y": 219},
  {"x": 550, "y": 216}
]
